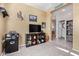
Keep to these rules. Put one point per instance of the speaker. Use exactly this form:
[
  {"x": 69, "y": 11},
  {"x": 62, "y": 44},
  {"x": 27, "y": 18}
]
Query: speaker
[{"x": 11, "y": 42}]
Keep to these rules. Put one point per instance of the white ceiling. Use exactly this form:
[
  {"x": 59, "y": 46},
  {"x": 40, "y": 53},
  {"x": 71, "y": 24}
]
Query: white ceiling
[{"x": 44, "y": 6}]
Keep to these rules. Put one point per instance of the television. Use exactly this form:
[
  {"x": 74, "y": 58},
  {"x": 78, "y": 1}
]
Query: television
[{"x": 34, "y": 28}]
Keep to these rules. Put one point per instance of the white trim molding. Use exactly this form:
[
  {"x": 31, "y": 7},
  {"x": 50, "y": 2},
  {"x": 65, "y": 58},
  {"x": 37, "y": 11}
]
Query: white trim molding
[
  {"x": 75, "y": 50},
  {"x": 22, "y": 45}
]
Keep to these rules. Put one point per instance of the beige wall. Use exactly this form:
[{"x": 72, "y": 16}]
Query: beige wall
[
  {"x": 48, "y": 23},
  {"x": 1, "y": 31},
  {"x": 2, "y": 28},
  {"x": 22, "y": 27},
  {"x": 76, "y": 27},
  {"x": 13, "y": 23}
]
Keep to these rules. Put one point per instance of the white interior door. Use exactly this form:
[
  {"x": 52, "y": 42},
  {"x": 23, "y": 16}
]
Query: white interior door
[{"x": 61, "y": 29}]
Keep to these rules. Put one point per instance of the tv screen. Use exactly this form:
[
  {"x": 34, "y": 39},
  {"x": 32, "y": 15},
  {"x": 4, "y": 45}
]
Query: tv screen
[{"x": 34, "y": 28}]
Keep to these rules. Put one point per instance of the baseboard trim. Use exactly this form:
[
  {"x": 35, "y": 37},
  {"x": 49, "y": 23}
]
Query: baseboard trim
[
  {"x": 75, "y": 50},
  {"x": 22, "y": 45},
  {"x": 2, "y": 53}
]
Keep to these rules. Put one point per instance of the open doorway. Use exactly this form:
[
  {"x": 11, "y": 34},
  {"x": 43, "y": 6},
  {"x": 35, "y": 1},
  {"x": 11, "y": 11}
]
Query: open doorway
[
  {"x": 53, "y": 29},
  {"x": 69, "y": 30},
  {"x": 61, "y": 30},
  {"x": 64, "y": 26}
]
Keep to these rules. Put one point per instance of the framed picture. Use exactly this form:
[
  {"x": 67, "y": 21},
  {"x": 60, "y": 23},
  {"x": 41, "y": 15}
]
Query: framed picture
[
  {"x": 43, "y": 25},
  {"x": 33, "y": 18}
]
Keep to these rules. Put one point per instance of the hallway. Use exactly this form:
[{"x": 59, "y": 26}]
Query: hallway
[{"x": 54, "y": 48}]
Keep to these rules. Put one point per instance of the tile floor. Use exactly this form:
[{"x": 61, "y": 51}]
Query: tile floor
[{"x": 53, "y": 48}]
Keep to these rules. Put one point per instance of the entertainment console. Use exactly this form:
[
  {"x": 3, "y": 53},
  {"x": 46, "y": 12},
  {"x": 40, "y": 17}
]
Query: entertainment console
[{"x": 34, "y": 39}]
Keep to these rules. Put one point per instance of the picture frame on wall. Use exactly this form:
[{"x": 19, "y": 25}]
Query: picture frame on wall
[
  {"x": 33, "y": 18},
  {"x": 43, "y": 24}
]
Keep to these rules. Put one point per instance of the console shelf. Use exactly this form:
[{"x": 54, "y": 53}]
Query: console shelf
[{"x": 34, "y": 39}]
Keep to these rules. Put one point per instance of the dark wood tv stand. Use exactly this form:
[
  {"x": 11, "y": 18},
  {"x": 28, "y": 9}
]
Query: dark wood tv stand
[{"x": 35, "y": 38}]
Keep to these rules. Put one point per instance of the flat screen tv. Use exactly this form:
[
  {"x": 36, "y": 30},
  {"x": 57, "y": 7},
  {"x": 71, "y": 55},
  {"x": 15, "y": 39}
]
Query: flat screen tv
[{"x": 34, "y": 28}]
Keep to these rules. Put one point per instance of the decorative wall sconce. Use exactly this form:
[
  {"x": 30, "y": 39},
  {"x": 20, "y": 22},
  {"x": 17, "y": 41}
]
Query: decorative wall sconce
[
  {"x": 43, "y": 24},
  {"x": 3, "y": 11},
  {"x": 19, "y": 15}
]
